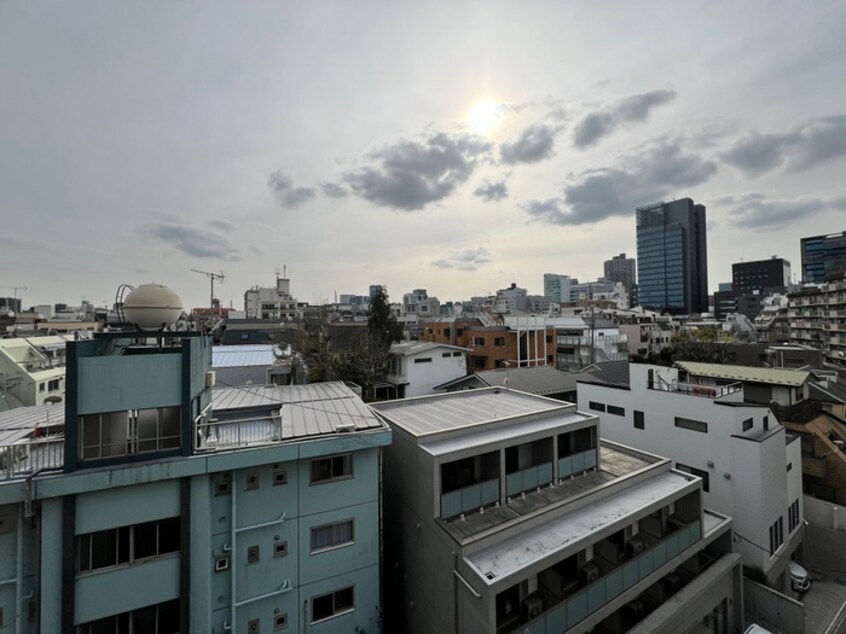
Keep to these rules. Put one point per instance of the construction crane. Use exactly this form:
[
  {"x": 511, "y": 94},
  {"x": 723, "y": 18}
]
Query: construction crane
[
  {"x": 212, "y": 277},
  {"x": 15, "y": 289}
]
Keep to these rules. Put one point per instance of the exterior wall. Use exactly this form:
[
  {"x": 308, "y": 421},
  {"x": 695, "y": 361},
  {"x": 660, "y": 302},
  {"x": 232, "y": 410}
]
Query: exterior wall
[
  {"x": 485, "y": 354},
  {"x": 771, "y": 609},
  {"x": 422, "y": 377}
]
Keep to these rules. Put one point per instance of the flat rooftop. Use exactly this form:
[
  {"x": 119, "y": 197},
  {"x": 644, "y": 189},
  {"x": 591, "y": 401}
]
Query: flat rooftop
[
  {"x": 507, "y": 557},
  {"x": 617, "y": 462},
  {"x": 747, "y": 374},
  {"x": 426, "y": 415}
]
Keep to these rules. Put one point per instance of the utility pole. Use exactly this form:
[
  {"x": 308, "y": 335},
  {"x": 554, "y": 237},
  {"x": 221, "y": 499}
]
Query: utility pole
[{"x": 212, "y": 277}]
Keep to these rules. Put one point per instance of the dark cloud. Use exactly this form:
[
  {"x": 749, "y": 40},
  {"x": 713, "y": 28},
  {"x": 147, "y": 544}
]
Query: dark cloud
[
  {"x": 290, "y": 196},
  {"x": 200, "y": 243},
  {"x": 634, "y": 109},
  {"x": 409, "y": 175},
  {"x": 333, "y": 190},
  {"x": 661, "y": 169},
  {"x": 465, "y": 260},
  {"x": 491, "y": 192},
  {"x": 807, "y": 145},
  {"x": 754, "y": 210},
  {"x": 222, "y": 225},
  {"x": 534, "y": 144}
]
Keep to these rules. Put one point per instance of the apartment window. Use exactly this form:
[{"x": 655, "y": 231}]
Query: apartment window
[
  {"x": 793, "y": 515},
  {"x": 331, "y": 468},
  {"x": 42, "y": 387},
  {"x": 766, "y": 423},
  {"x": 423, "y": 360},
  {"x": 53, "y": 385},
  {"x": 596, "y": 407},
  {"x": 446, "y": 332},
  {"x": 499, "y": 341},
  {"x": 706, "y": 477},
  {"x": 162, "y": 618},
  {"x": 456, "y": 354},
  {"x": 331, "y": 536},
  {"x": 747, "y": 424},
  {"x": 694, "y": 425},
  {"x": 617, "y": 411},
  {"x": 776, "y": 535},
  {"x": 638, "y": 420},
  {"x": 127, "y": 544},
  {"x": 129, "y": 432},
  {"x": 446, "y": 354},
  {"x": 330, "y": 605},
  {"x": 478, "y": 341}
]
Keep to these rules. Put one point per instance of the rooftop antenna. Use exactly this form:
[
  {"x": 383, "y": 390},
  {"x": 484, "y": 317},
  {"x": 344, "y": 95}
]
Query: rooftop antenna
[
  {"x": 15, "y": 289},
  {"x": 212, "y": 277}
]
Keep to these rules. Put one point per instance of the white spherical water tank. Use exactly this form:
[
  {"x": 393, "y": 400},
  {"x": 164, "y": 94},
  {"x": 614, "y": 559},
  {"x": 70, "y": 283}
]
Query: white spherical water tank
[{"x": 152, "y": 307}]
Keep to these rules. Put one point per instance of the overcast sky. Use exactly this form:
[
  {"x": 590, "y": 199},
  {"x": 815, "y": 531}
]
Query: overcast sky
[{"x": 454, "y": 146}]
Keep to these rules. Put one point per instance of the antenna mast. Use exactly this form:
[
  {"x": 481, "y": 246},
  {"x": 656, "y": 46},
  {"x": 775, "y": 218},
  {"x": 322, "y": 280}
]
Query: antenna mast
[{"x": 212, "y": 277}]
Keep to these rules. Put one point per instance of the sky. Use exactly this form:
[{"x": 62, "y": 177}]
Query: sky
[{"x": 452, "y": 146}]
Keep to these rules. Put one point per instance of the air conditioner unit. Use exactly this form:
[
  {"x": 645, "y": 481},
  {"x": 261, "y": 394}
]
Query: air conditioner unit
[
  {"x": 634, "y": 546},
  {"x": 672, "y": 583},
  {"x": 532, "y": 607},
  {"x": 589, "y": 573}
]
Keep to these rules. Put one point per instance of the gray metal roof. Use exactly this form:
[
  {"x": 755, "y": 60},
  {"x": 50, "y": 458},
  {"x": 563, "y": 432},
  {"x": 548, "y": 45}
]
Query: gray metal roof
[
  {"x": 32, "y": 418},
  {"x": 242, "y": 356},
  {"x": 747, "y": 374},
  {"x": 536, "y": 380},
  {"x": 455, "y": 410},
  {"x": 409, "y": 348}
]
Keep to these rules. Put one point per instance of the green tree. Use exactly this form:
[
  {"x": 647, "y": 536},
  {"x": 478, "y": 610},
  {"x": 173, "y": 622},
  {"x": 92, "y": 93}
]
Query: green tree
[{"x": 381, "y": 324}]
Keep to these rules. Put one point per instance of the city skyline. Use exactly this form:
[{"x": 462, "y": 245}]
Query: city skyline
[{"x": 344, "y": 143}]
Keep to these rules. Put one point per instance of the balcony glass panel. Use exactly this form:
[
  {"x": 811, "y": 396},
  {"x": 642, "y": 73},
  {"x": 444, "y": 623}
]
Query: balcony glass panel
[
  {"x": 530, "y": 478},
  {"x": 469, "y": 498}
]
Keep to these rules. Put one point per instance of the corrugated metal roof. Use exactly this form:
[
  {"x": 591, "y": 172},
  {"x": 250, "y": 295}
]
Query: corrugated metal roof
[
  {"x": 749, "y": 374},
  {"x": 537, "y": 380},
  {"x": 414, "y": 347},
  {"x": 242, "y": 356},
  {"x": 33, "y": 417},
  {"x": 454, "y": 410}
]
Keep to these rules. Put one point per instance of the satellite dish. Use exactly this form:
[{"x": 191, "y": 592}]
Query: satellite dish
[{"x": 152, "y": 307}]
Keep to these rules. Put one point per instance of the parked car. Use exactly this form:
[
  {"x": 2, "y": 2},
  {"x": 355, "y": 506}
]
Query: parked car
[{"x": 800, "y": 580}]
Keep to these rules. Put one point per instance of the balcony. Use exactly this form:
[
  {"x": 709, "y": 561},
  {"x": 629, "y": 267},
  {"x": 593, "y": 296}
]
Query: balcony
[
  {"x": 25, "y": 458},
  {"x": 576, "y": 463},
  {"x": 528, "y": 479},
  {"x": 696, "y": 389},
  {"x": 469, "y": 498}
]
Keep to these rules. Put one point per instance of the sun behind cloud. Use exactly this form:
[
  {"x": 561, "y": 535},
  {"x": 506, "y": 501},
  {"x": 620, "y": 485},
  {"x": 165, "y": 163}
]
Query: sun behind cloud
[{"x": 484, "y": 116}]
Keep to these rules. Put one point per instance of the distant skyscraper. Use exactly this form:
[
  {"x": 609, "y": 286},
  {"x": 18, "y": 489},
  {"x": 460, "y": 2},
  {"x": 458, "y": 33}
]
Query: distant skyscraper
[
  {"x": 672, "y": 256},
  {"x": 556, "y": 288},
  {"x": 760, "y": 275},
  {"x": 822, "y": 255},
  {"x": 621, "y": 269},
  {"x": 375, "y": 289}
]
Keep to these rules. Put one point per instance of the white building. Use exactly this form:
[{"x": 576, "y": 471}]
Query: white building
[
  {"x": 557, "y": 287},
  {"x": 416, "y": 367},
  {"x": 271, "y": 303},
  {"x": 32, "y": 369},
  {"x": 751, "y": 469}
]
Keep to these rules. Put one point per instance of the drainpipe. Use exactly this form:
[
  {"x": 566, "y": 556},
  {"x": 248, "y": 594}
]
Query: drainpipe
[
  {"x": 232, "y": 556},
  {"x": 19, "y": 575}
]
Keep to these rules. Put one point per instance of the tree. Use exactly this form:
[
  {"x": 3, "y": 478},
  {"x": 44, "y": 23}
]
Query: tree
[{"x": 381, "y": 324}]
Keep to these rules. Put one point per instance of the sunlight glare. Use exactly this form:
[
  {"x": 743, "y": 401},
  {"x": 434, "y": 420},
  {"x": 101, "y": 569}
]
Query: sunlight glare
[{"x": 484, "y": 116}]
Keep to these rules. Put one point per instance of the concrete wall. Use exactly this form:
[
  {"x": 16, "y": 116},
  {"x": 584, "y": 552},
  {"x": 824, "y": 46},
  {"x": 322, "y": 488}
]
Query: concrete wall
[
  {"x": 422, "y": 377},
  {"x": 825, "y": 548},
  {"x": 824, "y": 514},
  {"x": 771, "y": 609}
]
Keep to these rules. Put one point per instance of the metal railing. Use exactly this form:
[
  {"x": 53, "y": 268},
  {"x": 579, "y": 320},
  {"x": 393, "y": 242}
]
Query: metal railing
[
  {"x": 215, "y": 435},
  {"x": 526, "y": 479},
  {"x": 24, "y": 458},
  {"x": 696, "y": 389}
]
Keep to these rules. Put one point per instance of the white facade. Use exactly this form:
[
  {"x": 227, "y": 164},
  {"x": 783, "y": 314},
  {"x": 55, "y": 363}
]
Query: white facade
[
  {"x": 32, "y": 369},
  {"x": 415, "y": 368},
  {"x": 750, "y": 469},
  {"x": 271, "y": 303}
]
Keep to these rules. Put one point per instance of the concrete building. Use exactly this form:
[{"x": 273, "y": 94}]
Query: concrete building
[
  {"x": 160, "y": 510},
  {"x": 621, "y": 269},
  {"x": 761, "y": 276},
  {"x": 556, "y": 287},
  {"x": 749, "y": 464},
  {"x": 32, "y": 369},
  {"x": 822, "y": 255},
  {"x": 271, "y": 303},
  {"x": 416, "y": 367},
  {"x": 509, "y": 515},
  {"x": 817, "y": 318},
  {"x": 672, "y": 257}
]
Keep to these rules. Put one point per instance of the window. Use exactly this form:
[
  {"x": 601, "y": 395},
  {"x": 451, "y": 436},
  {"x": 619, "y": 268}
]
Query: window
[
  {"x": 499, "y": 341},
  {"x": 333, "y": 604},
  {"x": 617, "y": 411},
  {"x": 331, "y": 536},
  {"x": 597, "y": 407},
  {"x": 129, "y": 432},
  {"x": 747, "y": 424},
  {"x": 245, "y": 336},
  {"x": 766, "y": 423},
  {"x": 638, "y": 420},
  {"x": 423, "y": 360},
  {"x": 153, "y": 619},
  {"x": 478, "y": 341},
  {"x": 789, "y": 466},
  {"x": 456, "y": 354},
  {"x": 127, "y": 544},
  {"x": 53, "y": 385},
  {"x": 446, "y": 354},
  {"x": 694, "y": 425},
  {"x": 446, "y": 332},
  {"x": 793, "y": 516},
  {"x": 706, "y": 478},
  {"x": 331, "y": 468},
  {"x": 776, "y": 535},
  {"x": 42, "y": 387}
]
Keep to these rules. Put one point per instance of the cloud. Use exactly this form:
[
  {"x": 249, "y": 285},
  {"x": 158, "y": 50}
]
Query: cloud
[
  {"x": 465, "y": 260},
  {"x": 754, "y": 210},
  {"x": 199, "y": 243},
  {"x": 12, "y": 242},
  {"x": 409, "y": 175},
  {"x": 662, "y": 168},
  {"x": 333, "y": 190},
  {"x": 635, "y": 109},
  {"x": 491, "y": 192},
  {"x": 290, "y": 196},
  {"x": 222, "y": 225},
  {"x": 534, "y": 144},
  {"x": 807, "y": 145}
]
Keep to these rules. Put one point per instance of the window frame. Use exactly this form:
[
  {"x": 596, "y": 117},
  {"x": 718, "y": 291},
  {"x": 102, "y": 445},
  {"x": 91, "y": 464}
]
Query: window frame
[
  {"x": 336, "y": 612},
  {"x": 128, "y": 533},
  {"x": 638, "y": 419},
  {"x": 596, "y": 406},
  {"x": 332, "y": 478},
  {"x": 690, "y": 424},
  {"x": 335, "y": 544}
]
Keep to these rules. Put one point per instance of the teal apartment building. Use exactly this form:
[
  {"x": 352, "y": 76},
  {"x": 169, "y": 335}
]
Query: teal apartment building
[{"x": 155, "y": 504}]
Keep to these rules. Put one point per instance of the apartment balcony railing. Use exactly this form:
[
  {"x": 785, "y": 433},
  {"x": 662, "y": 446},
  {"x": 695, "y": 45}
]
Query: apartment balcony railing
[
  {"x": 576, "y": 463},
  {"x": 527, "y": 479},
  {"x": 25, "y": 458},
  {"x": 577, "y": 607},
  {"x": 230, "y": 434},
  {"x": 695, "y": 389},
  {"x": 469, "y": 498},
  {"x": 801, "y": 412}
]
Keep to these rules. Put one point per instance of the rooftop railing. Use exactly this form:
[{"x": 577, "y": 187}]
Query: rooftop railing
[
  {"x": 230, "y": 434},
  {"x": 21, "y": 459},
  {"x": 696, "y": 389}
]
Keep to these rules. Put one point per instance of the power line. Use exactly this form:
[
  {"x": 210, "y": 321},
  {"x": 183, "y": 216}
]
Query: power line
[{"x": 772, "y": 554}]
